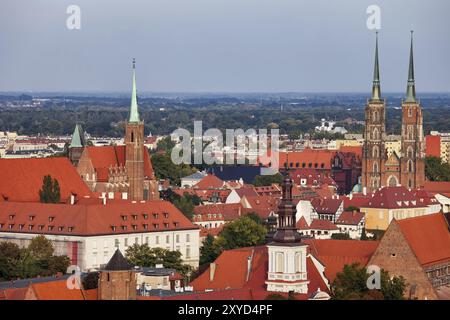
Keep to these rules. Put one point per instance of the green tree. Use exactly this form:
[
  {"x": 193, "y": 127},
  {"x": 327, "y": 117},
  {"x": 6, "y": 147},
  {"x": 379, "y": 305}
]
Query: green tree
[
  {"x": 144, "y": 256},
  {"x": 209, "y": 250},
  {"x": 165, "y": 169},
  {"x": 436, "y": 169},
  {"x": 243, "y": 232},
  {"x": 351, "y": 284},
  {"x": 50, "y": 192},
  {"x": 41, "y": 248},
  {"x": 166, "y": 145},
  {"x": 267, "y": 180},
  {"x": 186, "y": 205},
  {"x": 340, "y": 236}
]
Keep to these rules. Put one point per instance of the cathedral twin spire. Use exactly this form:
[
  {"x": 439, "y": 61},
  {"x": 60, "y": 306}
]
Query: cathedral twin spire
[{"x": 411, "y": 89}]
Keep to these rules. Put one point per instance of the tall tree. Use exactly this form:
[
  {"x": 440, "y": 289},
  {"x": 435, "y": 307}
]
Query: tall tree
[
  {"x": 436, "y": 169},
  {"x": 242, "y": 232},
  {"x": 50, "y": 191}
]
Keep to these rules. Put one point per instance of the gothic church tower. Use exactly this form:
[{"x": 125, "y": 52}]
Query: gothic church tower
[{"x": 374, "y": 152}]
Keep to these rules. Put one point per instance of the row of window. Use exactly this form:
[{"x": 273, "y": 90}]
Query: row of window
[
  {"x": 41, "y": 227},
  {"x": 145, "y": 216},
  {"x": 310, "y": 165},
  {"x": 145, "y": 226},
  {"x": 146, "y": 240}
]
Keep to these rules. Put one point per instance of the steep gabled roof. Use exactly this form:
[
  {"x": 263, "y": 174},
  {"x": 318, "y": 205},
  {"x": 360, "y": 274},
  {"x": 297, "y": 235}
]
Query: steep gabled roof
[
  {"x": 21, "y": 179},
  {"x": 209, "y": 182},
  {"x": 428, "y": 236},
  {"x": 350, "y": 218},
  {"x": 394, "y": 198}
]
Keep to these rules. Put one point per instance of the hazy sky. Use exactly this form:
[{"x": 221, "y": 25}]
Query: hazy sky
[{"x": 221, "y": 45}]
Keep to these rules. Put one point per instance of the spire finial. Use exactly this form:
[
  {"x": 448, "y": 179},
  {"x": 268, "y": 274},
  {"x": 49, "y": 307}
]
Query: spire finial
[
  {"x": 134, "y": 111},
  {"x": 376, "y": 90},
  {"x": 411, "y": 88}
]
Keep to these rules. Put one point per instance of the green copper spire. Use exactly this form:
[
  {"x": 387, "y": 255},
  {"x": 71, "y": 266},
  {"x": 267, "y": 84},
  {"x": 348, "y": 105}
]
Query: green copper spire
[
  {"x": 78, "y": 140},
  {"x": 376, "y": 90},
  {"x": 134, "y": 112},
  {"x": 411, "y": 89}
]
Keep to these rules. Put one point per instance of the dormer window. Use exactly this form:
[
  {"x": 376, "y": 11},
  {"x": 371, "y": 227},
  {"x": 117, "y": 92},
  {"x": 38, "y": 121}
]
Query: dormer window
[
  {"x": 61, "y": 228},
  {"x": 30, "y": 227},
  {"x": 145, "y": 225},
  {"x": 113, "y": 228},
  {"x": 166, "y": 225},
  {"x": 155, "y": 215},
  {"x": 31, "y": 217},
  {"x": 50, "y": 228},
  {"x": 51, "y": 218},
  {"x": 70, "y": 229},
  {"x": 145, "y": 216},
  {"x": 166, "y": 215},
  {"x": 134, "y": 216},
  {"x": 124, "y": 217},
  {"x": 124, "y": 228},
  {"x": 134, "y": 226},
  {"x": 11, "y": 216},
  {"x": 156, "y": 226},
  {"x": 21, "y": 226},
  {"x": 11, "y": 225},
  {"x": 41, "y": 227},
  {"x": 176, "y": 224},
  {"x": 1, "y": 225}
]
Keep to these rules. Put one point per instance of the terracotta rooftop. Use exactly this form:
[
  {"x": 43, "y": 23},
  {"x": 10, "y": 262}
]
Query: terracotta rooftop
[
  {"x": 319, "y": 224},
  {"x": 393, "y": 198},
  {"x": 96, "y": 219},
  {"x": 326, "y": 205},
  {"x": 21, "y": 179},
  {"x": 350, "y": 218},
  {"x": 209, "y": 182},
  {"x": 428, "y": 236}
]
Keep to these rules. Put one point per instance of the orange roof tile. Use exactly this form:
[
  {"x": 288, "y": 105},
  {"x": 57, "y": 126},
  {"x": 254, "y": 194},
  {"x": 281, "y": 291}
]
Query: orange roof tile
[
  {"x": 437, "y": 186},
  {"x": 428, "y": 236},
  {"x": 21, "y": 179},
  {"x": 209, "y": 182},
  {"x": 56, "y": 290}
]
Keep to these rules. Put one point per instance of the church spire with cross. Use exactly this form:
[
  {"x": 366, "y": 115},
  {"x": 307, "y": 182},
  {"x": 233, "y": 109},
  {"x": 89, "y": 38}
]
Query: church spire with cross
[
  {"x": 411, "y": 89},
  {"x": 134, "y": 110},
  {"x": 376, "y": 89}
]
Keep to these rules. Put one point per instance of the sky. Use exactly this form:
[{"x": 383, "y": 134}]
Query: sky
[{"x": 221, "y": 45}]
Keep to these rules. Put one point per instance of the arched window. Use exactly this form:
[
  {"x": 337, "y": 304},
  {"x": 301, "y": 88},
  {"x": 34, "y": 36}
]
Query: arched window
[
  {"x": 375, "y": 116},
  {"x": 375, "y": 152},
  {"x": 410, "y": 152},
  {"x": 392, "y": 181},
  {"x": 132, "y": 136},
  {"x": 410, "y": 166},
  {"x": 375, "y": 167},
  {"x": 375, "y": 134},
  {"x": 410, "y": 183}
]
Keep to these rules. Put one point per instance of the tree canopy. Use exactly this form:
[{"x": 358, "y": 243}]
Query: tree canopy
[
  {"x": 351, "y": 284},
  {"x": 436, "y": 169},
  {"x": 260, "y": 181},
  {"x": 50, "y": 191}
]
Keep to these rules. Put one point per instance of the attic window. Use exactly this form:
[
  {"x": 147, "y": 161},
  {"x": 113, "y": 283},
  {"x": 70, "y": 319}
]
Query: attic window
[
  {"x": 21, "y": 226},
  {"x": 176, "y": 224},
  {"x": 1, "y": 225},
  {"x": 155, "y": 215},
  {"x": 124, "y": 228},
  {"x": 393, "y": 255},
  {"x": 11, "y": 216},
  {"x": 61, "y": 228},
  {"x": 124, "y": 217},
  {"x": 30, "y": 227},
  {"x": 145, "y": 225},
  {"x": 166, "y": 225},
  {"x": 51, "y": 218},
  {"x": 156, "y": 226},
  {"x": 50, "y": 228},
  {"x": 31, "y": 217},
  {"x": 113, "y": 228},
  {"x": 11, "y": 225},
  {"x": 134, "y": 226},
  {"x": 70, "y": 229},
  {"x": 145, "y": 216},
  {"x": 41, "y": 227},
  {"x": 166, "y": 215},
  {"x": 134, "y": 216}
]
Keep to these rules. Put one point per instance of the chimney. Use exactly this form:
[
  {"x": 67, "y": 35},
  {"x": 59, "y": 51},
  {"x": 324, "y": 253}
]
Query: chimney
[
  {"x": 73, "y": 198},
  {"x": 365, "y": 191},
  {"x": 212, "y": 271}
]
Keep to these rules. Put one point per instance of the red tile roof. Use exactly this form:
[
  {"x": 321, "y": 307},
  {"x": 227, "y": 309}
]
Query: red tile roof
[
  {"x": 428, "y": 236},
  {"x": 58, "y": 290},
  {"x": 209, "y": 182},
  {"x": 357, "y": 150},
  {"x": 302, "y": 224},
  {"x": 316, "y": 159},
  {"x": 318, "y": 224},
  {"x": 104, "y": 157},
  {"x": 326, "y": 205},
  {"x": 13, "y": 294},
  {"x": 350, "y": 218},
  {"x": 334, "y": 254},
  {"x": 357, "y": 200},
  {"x": 229, "y": 211},
  {"x": 263, "y": 206},
  {"x": 311, "y": 177},
  {"x": 95, "y": 219},
  {"x": 393, "y": 198},
  {"x": 21, "y": 179},
  {"x": 231, "y": 272},
  {"x": 437, "y": 186}
]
